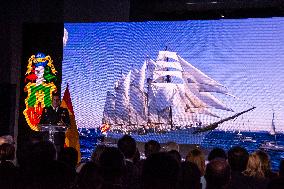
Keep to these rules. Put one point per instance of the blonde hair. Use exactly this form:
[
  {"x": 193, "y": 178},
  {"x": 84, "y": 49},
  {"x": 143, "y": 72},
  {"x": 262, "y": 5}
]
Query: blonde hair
[
  {"x": 254, "y": 166},
  {"x": 197, "y": 156},
  {"x": 265, "y": 162}
]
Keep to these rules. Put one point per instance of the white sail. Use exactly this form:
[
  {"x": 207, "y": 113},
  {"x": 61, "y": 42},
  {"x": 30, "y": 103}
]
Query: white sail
[
  {"x": 109, "y": 108},
  {"x": 163, "y": 55},
  {"x": 151, "y": 67},
  {"x": 206, "y": 99},
  {"x": 163, "y": 93},
  {"x": 163, "y": 65},
  {"x": 273, "y": 130},
  {"x": 204, "y": 82},
  {"x": 152, "y": 107},
  {"x": 160, "y": 76},
  {"x": 142, "y": 76},
  {"x": 192, "y": 104},
  {"x": 122, "y": 98},
  {"x": 137, "y": 98}
]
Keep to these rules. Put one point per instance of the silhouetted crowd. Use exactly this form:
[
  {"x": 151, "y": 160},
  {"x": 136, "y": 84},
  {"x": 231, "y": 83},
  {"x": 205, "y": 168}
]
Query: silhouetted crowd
[{"x": 39, "y": 166}]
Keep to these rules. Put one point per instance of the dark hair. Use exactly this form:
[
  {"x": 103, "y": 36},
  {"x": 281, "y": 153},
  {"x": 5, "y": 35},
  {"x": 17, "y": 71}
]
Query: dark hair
[
  {"x": 112, "y": 163},
  {"x": 238, "y": 158},
  {"x": 97, "y": 153},
  {"x": 127, "y": 145},
  {"x": 217, "y": 153},
  {"x": 89, "y": 177},
  {"x": 160, "y": 171},
  {"x": 217, "y": 173},
  {"x": 42, "y": 152},
  {"x": 7, "y": 151},
  {"x": 69, "y": 155},
  {"x": 190, "y": 176},
  {"x": 152, "y": 146},
  {"x": 175, "y": 155}
]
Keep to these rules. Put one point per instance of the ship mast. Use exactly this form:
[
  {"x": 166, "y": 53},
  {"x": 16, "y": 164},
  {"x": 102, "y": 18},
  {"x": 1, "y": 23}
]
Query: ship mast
[
  {"x": 168, "y": 80},
  {"x": 273, "y": 130},
  {"x": 149, "y": 81}
]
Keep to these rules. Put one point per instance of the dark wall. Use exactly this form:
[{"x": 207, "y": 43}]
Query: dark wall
[
  {"x": 96, "y": 10},
  {"x": 141, "y": 10},
  {"x": 7, "y": 108}
]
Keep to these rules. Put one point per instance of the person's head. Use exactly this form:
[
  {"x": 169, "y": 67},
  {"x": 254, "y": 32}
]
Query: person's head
[
  {"x": 217, "y": 153},
  {"x": 97, "y": 153},
  {"x": 89, "y": 177},
  {"x": 55, "y": 100},
  {"x": 52, "y": 174},
  {"x": 152, "y": 146},
  {"x": 127, "y": 145},
  {"x": 265, "y": 161},
  {"x": 112, "y": 164},
  {"x": 254, "y": 166},
  {"x": 175, "y": 155},
  {"x": 218, "y": 174},
  {"x": 171, "y": 146},
  {"x": 197, "y": 156},
  {"x": 69, "y": 155},
  {"x": 33, "y": 152},
  {"x": 238, "y": 158},
  {"x": 190, "y": 176},
  {"x": 41, "y": 152},
  {"x": 160, "y": 171},
  {"x": 7, "y": 152},
  {"x": 6, "y": 139}
]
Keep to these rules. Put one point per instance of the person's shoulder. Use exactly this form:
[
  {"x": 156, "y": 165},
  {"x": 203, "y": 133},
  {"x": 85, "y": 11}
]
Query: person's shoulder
[{"x": 63, "y": 109}]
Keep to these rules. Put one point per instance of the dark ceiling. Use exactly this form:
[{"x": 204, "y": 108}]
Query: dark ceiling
[{"x": 204, "y": 9}]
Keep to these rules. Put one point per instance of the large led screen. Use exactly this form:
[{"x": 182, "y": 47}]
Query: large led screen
[{"x": 184, "y": 73}]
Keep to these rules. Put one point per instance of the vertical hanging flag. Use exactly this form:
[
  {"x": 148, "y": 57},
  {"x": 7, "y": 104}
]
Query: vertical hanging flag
[{"x": 72, "y": 134}]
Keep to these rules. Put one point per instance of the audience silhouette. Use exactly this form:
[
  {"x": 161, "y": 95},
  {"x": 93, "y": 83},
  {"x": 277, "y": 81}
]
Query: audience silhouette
[{"x": 39, "y": 166}]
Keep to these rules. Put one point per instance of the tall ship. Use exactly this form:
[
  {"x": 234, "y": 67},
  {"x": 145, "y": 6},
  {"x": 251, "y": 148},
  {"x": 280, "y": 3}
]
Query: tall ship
[{"x": 166, "y": 99}]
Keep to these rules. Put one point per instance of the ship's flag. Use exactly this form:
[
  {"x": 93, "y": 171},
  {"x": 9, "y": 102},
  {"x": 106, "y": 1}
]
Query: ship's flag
[
  {"x": 104, "y": 128},
  {"x": 72, "y": 134}
]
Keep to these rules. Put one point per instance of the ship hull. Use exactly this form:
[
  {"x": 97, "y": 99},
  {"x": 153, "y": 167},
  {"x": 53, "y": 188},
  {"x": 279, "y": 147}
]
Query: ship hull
[{"x": 181, "y": 136}]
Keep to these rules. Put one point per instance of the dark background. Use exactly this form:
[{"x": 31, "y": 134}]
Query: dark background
[{"x": 31, "y": 26}]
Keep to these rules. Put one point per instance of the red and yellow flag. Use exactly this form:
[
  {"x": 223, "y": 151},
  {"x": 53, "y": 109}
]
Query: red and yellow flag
[
  {"x": 104, "y": 127},
  {"x": 72, "y": 134}
]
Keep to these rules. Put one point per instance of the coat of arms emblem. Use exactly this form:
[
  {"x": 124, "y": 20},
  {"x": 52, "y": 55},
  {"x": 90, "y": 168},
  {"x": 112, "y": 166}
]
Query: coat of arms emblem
[{"x": 40, "y": 77}]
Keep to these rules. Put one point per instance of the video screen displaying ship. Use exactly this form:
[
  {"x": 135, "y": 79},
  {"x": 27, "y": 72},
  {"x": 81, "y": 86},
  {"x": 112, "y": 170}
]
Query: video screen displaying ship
[{"x": 183, "y": 78}]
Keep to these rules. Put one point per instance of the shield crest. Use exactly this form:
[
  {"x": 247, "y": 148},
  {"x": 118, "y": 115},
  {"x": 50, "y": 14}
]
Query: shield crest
[{"x": 39, "y": 79}]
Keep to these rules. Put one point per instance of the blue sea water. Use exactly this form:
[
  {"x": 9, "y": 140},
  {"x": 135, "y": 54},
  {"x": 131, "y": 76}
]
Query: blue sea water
[{"x": 225, "y": 140}]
